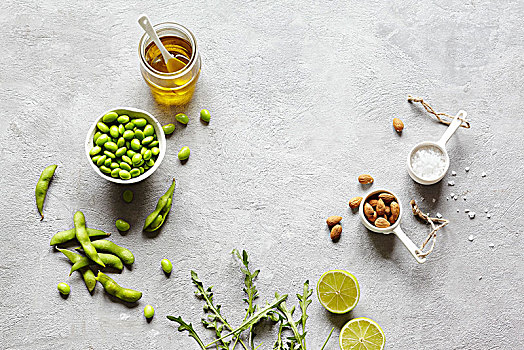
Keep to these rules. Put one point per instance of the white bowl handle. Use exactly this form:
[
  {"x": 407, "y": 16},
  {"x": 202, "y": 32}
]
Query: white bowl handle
[
  {"x": 452, "y": 128},
  {"x": 413, "y": 249}
]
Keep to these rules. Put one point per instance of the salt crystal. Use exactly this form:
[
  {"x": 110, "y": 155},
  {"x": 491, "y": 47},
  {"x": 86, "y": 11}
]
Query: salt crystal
[
  {"x": 491, "y": 245},
  {"x": 453, "y": 173},
  {"x": 439, "y": 215},
  {"x": 466, "y": 210},
  {"x": 488, "y": 216},
  {"x": 471, "y": 238},
  {"x": 452, "y": 194},
  {"x": 480, "y": 278},
  {"x": 458, "y": 210},
  {"x": 451, "y": 183},
  {"x": 484, "y": 174},
  {"x": 485, "y": 210},
  {"x": 433, "y": 200},
  {"x": 464, "y": 197},
  {"x": 471, "y": 214},
  {"x": 456, "y": 197},
  {"x": 428, "y": 162},
  {"x": 447, "y": 198},
  {"x": 467, "y": 168}
]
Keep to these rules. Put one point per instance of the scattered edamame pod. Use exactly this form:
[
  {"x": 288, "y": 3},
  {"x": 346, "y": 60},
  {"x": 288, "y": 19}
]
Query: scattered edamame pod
[
  {"x": 168, "y": 129},
  {"x": 41, "y": 187},
  {"x": 124, "y": 254},
  {"x": 109, "y": 260},
  {"x": 184, "y": 152},
  {"x": 162, "y": 209},
  {"x": 127, "y": 196},
  {"x": 182, "y": 118},
  {"x": 166, "y": 265},
  {"x": 68, "y": 235},
  {"x": 83, "y": 238},
  {"x": 63, "y": 288},
  {"x": 87, "y": 274},
  {"x": 205, "y": 115},
  {"x": 122, "y": 225},
  {"x": 149, "y": 311},
  {"x": 112, "y": 288}
]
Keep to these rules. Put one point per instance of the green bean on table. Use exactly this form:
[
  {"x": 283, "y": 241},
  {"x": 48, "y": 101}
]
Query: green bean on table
[
  {"x": 114, "y": 289},
  {"x": 42, "y": 186},
  {"x": 109, "y": 260},
  {"x": 158, "y": 216},
  {"x": 83, "y": 238},
  {"x": 87, "y": 274},
  {"x": 68, "y": 235},
  {"x": 63, "y": 288}
]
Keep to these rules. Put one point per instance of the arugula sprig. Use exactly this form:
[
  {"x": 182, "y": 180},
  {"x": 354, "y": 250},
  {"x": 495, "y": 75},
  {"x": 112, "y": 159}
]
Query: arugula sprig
[{"x": 189, "y": 328}]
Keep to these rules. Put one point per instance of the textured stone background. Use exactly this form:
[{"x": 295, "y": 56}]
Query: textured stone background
[{"x": 302, "y": 96}]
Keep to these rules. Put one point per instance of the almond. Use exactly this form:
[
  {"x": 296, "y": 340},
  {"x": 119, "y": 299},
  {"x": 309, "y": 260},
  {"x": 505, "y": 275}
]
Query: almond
[
  {"x": 392, "y": 220},
  {"x": 395, "y": 211},
  {"x": 382, "y": 223},
  {"x": 368, "y": 209},
  {"x": 398, "y": 125},
  {"x": 336, "y": 231},
  {"x": 333, "y": 220},
  {"x": 373, "y": 202},
  {"x": 355, "y": 202},
  {"x": 387, "y": 197},
  {"x": 372, "y": 218},
  {"x": 381, "y": 207},
  {"x": 365, "y": 179},
  {"x": 387, "y": 211}
]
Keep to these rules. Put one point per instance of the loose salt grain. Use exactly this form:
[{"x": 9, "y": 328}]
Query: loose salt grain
[
  {"x": 453, "y": 173},
  {"x": 428, "y": 162},
  {"x": 439, "y": 215},
  {"x": 451, "y": 183},
  {"x": 484, "y": 174},
  {"x": 467, "y": 168},
  {"x": 491, "y": 245},
  {"x": 471, "y": 214},
  {"x": 471, "y": 238}
]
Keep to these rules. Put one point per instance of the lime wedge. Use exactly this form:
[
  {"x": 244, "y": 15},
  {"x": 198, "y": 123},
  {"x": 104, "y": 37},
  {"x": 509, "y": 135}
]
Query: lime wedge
[
  {"x": 362, "y": 333},
  {"x": 338, "y": 291}
]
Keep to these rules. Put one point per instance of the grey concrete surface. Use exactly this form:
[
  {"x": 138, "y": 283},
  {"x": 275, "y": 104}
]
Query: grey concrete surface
[{"x": 302, "y": 96}]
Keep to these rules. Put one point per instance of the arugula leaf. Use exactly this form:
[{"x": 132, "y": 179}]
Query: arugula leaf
[
  {"x": 290, "y": 323},
  {"x": 304, "y": 301},
  {"x": 329, "y": 336},
  {"x": 189, "y": 328}
]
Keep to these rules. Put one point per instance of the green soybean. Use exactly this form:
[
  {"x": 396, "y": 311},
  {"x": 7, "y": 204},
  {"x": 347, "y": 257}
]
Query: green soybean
[
  {"x": 127, "y": 160},
  {"x": 127, "y": 196},
  {"x": 41, "y": 187},
  {"x": 162, "y": 209},
  {"x": 121, "y": 129},
  {"x": 113, "y": 131},
  {"x": 166, "y": 265},
  {"x": 134, "y": 172},
  {"x": 125, "y": 166},
  {"x": 182, "y": 118},
  {"x": 139, "y": 134},
  {"x": 149, "y": 311},
  {"x": 149, "y": 130},
  {"x": 140, "y": 122},
  {"x": 101, "y": 160},
  {"x": 96, "y": 136},
  {"x": 87, "y": 274},
  {"x": 122, "y": 225},
  {"x": 130, "y": 153},
  {"x": 120, "y": 142},
  {"x": 105, "y": 169},
  {"x": 68, "y": 235},
  {"x": 83, "y": 238},
  {"x": 123, "y": 119},
  {"x": 109, "y": 260},
  {"x": 141, "y": 170},
  {"x": 96, "y": 158},
  {"x": 143, "y": 150},
  {"x": 120, "y": 152},
  {"x": 63, "y": 288},
  {"x": 128, "y": 134},
  {"x": 205, "y": 115},
  {"x": 106, "y": 246},
  {"x": 150, "y": 162},
  {"x": 102, "y": 127},
  {"x": 124, "y": 174},
  {"x": 154, "y": 143},
  {"x": 155, "y": 151},
  {"x": 137, "y": 158},
  {"x": 110, "y": 117},
  {"x": 110, "y": 146},
  {"x": 114, "y": 165},
  {"x": 147, "y": 155},
  {"x": 135, "y": 144},
  {"x": 129, "y": 126},
  {"x": 102, "y": 139},
  {"x": 115, "y": 172},
  {"x": 183, "y": 154},
  {"x": 168, "y": 129},
  {"x": 95, "y": 150},
  {"x": 108, "y": 161},
  {"x": 146, "y": 141},
  {"x": 112, "y": 288}
]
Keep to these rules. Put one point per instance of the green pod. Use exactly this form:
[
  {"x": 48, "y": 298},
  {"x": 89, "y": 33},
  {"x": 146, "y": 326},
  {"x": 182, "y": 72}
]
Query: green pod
[
  {"x": 110, "y": 117},
  {"x": 135, "y": 144},
  {"x": 102, "y": 139},
  {"x": 115, "y": 172},
  {"x": 123, "y": 119},
  {"x": 83, "y": 238},
  {"x": 134, "y": 172},
  {"x": 120, "y": 152},
  {"x": 68, "y": 235},
  {"x": 129, "y": 134},
  {"x": 168, "y": 129},
  {"x": 113, "y": 131},
  {"x": 109, "y": 260},
  {"x": 41, "y": 187},
  {"x": 149, "y": 130},
  {"x": 125, "y": 166},
  {"x": 140, "y": 122},
  {"x": 155, "y": 151},
  {"x": 87, "y": 274},
  {"x": 105, "y": 169},
  {"x": 129, "y": 126},
  {"x": 110, "y": 146},
  {"x": 108, "y": 161},
  {"x": 106, "y": 246},
  {"x": 112, "y": 288},
  {"x": 162, "y": 202},
  {"x": 102, "y": 127},
  {"x": 139, "y": 134},
  {"x": 96, "y": 136},
  {"x": 146, "y": 141},
  {"x": 95, "y": 150},
  {"x": 154, "y": 144},
  {"x": 124, "y": 174},
  {"x": 182, "y": 118},
  {"x": 205, "y": 115},
  {"x": 121, "y": 129}
]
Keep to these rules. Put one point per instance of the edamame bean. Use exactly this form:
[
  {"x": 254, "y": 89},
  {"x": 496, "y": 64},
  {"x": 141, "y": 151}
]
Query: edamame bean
[
  {"x": 166, "y": 265},
  {"x": 41, "y": 187},
  {"x": 113, "y": 131},
  {"x": 95, "y": 150},
  {"x": 128, "y": 144},
  {"x": 143, "y": 150},
  {"x": 102, "y": 127},
  {"x": 149, "y": 311},
  {"x": 149, "y": 130},
  {"x": 120, "y": 152},
  {"x": 83, "y": 238},
  {"x": 128, "y": 196},
  {"x": 102, "y": 139},
  {"x": 129, "y": 134},
  {"x": 205, "y": 115},
  {"x": 182, "y": 118},
  {"x": 137, "y": 158},
  {"x": 124, "y": 174},
  {"x": 110, "y": 156},
  {"x": 122, "y": 225},
  {"x": 109, "y": 260},
  {"x": 105, "y": 169},
  {"x": 127, "y": 160},
  {"x": 150, "y": 162},
  {"x": 124, "y": 254},
  {"x": 115, "y": 172},
  {"x": 146, "y": 141},
  {"x": 110, "y": 146},
  {"x": 139, "y": 134},
  {"x": 146, "y": 166},
  {"x": 168, "y": 129},
  {"x": 112, "y": 288},
  {"x": 135, "y": 144},
  {"x": 63, "y": 288},
  {"x": 96, "y": 136},
  {"x": 129, "y": 126},
  {"x": 147, "y": 154},
  {"x": 121, "y": 129},
  {"x": 114, "y": 165},
  {"x": 120, "y": 142},
  {"x": 134, "y": 172},
  {"x": 96, "y": 158},
  {"x": 123, "y": 119},
  {"x": 125, "y": 166},
  {"x": 154, "y": 144},
  {"x": 141, "y": 170},
  {"x": 140, "y": 122},
  {"x": 101, "y": 160},
  {"x": 87, "y": 274},
  {"x": 155, "y": 151},
  {"x": 162, "y": 209},
  {"x": 130, "y": 153},
  {"x": 68, "y": 235},
  {"x": 110, "y": 117},
  {"x": 183, "y": 154}
]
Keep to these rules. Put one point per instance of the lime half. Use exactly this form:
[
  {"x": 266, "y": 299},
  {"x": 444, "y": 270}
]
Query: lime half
[
  {"x": 338, "y": 291},
  {"x": 362, "y": 334}
]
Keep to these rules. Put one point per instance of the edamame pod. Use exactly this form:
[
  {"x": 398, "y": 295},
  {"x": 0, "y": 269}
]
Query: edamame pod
[
  {"x": 83, "y": 237},
  {"x": 109, "y": 260},
  {"x": 41, "y": 187},
  {"x": 162, "y": 208},
  {"x": 114, "y": 289},
  {"x": 104, "y": 245},
  {"x": 66, "y": 236},
  {"x": 87, "y": 274}
]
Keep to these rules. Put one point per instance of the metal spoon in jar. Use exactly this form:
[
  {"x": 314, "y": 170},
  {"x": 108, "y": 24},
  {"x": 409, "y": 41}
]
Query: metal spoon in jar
[{"x": 173, "y": 64}]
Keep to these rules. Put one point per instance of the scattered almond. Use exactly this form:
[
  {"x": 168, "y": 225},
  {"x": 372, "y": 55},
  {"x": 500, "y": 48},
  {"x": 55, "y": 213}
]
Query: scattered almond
[
  {"x": 381, "y": 207},
  {"x": 398, "y": 125},
  {"x": 333, "y": 220},
  {"x": 355, "y": 202},
  {"x": 365, "y": 179},
  {"x": 336, "y": 231},
  {"x": 382, "y": 223},
  {"x": 386, "y": 197}
]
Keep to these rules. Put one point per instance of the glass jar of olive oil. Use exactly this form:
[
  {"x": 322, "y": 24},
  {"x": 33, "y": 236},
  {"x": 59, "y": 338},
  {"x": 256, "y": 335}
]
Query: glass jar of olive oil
[{"x": 171, "y": 88}]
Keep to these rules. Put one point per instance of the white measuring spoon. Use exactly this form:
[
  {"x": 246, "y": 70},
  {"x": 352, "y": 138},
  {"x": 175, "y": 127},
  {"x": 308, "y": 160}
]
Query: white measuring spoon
[
  {"x": 395, "y": 228},
  {"x": 440, "y": 145},
  {"x": 171, "y": 62}
]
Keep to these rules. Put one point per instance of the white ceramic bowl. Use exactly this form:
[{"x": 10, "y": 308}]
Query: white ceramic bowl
[{"x": 132, "y": 113}]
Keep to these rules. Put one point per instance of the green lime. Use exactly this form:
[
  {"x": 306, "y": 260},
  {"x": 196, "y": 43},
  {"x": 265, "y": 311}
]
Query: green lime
[
  {"x": 362, "y": 333},
  {"x": 338, "y": 291}
]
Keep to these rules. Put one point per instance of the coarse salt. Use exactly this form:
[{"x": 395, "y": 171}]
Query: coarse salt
[
  {"x": 451, "y": 183},
  {"x": 484, "y": 174},
  {"x": 428, "y": 162},
  {"x": 471, "y": 214},
  {"x": 439, "y": 215},
  {"x": 453, "y": 173},
  {"x": 467, "y": 168},
  {"x": 471, "y": 238}
]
